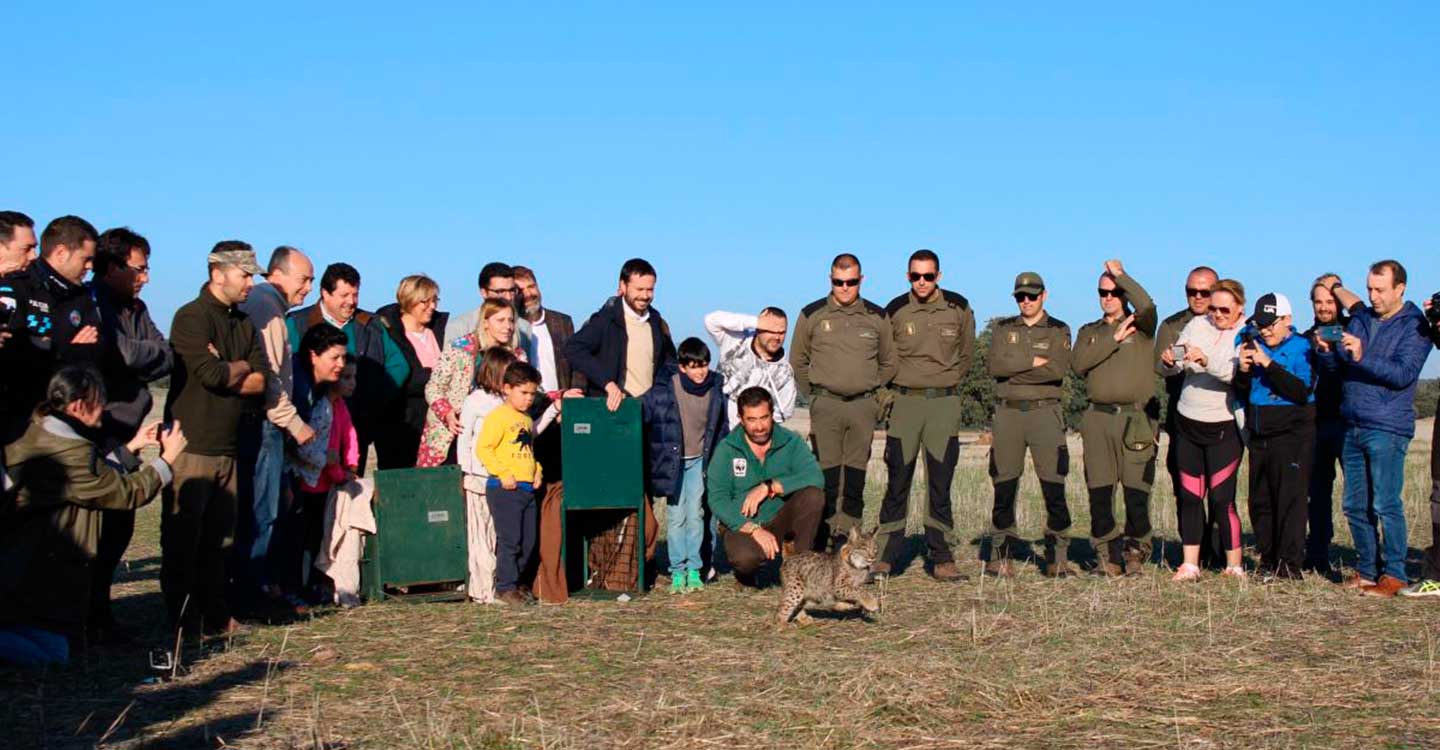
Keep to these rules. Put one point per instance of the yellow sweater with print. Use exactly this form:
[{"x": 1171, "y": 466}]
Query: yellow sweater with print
[{"x": 506, "y": 445}]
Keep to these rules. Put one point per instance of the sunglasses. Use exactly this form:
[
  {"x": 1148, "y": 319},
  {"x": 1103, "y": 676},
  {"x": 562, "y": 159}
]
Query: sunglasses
[
  {"x": 1026, "y": 297},
  {"x": 844, "y": 282},
  {"x": 1109, "y": 292},
  {"x": 1221, "y": 310},
  {"x": 1189, "y": 292},
  {"x": 918, "y": 276}
]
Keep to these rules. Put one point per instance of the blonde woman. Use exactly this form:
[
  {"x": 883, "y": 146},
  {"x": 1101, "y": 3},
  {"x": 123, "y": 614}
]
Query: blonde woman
[
  {"x": 1208, "y": 422},
  {"x": 416, "y": 327},
  {"x": 453, "y": 378}
]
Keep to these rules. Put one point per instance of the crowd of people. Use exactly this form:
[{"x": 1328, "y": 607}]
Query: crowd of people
[{"x": 273, "y": 409}]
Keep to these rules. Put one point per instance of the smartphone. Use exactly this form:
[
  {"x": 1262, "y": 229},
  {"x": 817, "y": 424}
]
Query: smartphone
[
  {"x": 1332, "y": 334},
  {"x": 1178, "y": 352}
]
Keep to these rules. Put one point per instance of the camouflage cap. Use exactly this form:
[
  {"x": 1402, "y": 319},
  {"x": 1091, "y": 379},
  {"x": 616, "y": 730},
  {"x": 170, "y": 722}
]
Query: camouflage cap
[
  {"x": 1030, "y": 283},
  {"x": 242, "y": 259}
]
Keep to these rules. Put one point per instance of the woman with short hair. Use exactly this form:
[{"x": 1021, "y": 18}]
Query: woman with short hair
[{"x": 417, "y": 328}]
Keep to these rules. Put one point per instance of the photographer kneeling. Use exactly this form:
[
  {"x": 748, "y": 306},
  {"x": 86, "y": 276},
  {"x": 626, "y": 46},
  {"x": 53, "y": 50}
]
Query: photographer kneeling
[
  {"x": 1276, "y": 378},
  {"x": 55, "y": 485}
]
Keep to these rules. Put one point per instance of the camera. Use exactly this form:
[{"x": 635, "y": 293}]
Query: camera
[{"x": 1434, "y": 312}]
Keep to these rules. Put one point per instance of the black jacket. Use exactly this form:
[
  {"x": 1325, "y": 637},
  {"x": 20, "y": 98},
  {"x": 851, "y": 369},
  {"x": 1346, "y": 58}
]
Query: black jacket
[
  {"x": 597, "y": 350},
  {"x": 410, "y": 407},
  {"x": 136, "y": 355}
]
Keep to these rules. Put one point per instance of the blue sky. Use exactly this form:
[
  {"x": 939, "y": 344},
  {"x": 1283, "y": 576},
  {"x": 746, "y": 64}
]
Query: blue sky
[{"x": 740, "y": 147}]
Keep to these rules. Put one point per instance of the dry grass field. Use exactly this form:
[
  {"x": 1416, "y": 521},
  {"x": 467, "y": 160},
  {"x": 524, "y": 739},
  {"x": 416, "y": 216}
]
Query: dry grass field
[{"x": 1029, "y": 662}]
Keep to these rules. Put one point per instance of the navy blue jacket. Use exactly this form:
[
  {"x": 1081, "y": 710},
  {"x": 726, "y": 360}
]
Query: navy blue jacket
[
  {"x": 1379, "y": 390},
  {"x": 597, "y": 350},
  {"x": 665, "y": 436}
]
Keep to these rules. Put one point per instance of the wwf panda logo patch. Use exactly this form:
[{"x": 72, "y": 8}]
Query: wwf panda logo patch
[{"x": 739, "y": 467}]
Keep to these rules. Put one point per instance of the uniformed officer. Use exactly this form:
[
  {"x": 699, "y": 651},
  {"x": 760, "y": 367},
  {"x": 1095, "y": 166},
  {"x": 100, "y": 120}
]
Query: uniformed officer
[
  {"x": 934, "y": 333},
  {"x": 17, "y": 252},
  {"x": 1197, "y": 300},
  {"x": 1029, "y": 355},
  {"x": 842, "y": 354},
  {"x": 1113, "y": 355}
]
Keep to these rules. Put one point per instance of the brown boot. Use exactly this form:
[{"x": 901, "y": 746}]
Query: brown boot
[
  {"x": 511, "y": 598},
  {"x": 1135, "y": 560},
  {"x": 1110, "y": 559},
  {"x": 1057, "y": 557},
  {"x": 999, "y": 564},
  {"x": 946, "y": 572}
]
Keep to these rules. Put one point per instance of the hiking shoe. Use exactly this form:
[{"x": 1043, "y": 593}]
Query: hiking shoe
[
  {"x": 1135, "y": 562},
  {"x": 511, "y": 598},
  {"x": 1000, "y": 568},
  {"x": 947, "y": 572},
  {"x": 1107, "y": 569},
  {"x": 1423, "y": 588},
  {"x": 1186, "y": 572},
  {"x": 1387, "y": 587},
  {"x": 693, "y": 582},
  {"x": 677, "y": 582}
]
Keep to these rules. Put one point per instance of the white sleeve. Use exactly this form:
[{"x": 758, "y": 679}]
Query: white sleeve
[
  {"x": 548, "y": 418},
  {"x": 471, "y": 419},
  {"x": 728, "y": 329},
  {"x": 785, "y": 393}
]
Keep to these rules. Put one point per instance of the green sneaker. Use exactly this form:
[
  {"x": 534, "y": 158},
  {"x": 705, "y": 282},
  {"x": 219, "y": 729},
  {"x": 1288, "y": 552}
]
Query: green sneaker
[
  {"x": 693, "y": 582},
  {"x": 1424, "y": 588},
  {"x": 677, "y": 582}
]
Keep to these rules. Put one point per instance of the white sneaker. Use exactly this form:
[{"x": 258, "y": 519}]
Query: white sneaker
[
  {"x": 1235, "y": 571},
  {"x": 1420, "y": 589},
  {"x": 1186, "y": 572}
]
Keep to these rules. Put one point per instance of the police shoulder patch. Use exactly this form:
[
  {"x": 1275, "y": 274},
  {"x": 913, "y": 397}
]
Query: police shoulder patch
[
  {"x": 957, "y": 299},
  {"x": 874, "y": 308}
]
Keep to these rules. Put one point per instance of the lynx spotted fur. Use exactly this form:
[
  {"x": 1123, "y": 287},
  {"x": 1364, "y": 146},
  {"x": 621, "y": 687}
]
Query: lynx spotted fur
[{"x": 831, "y": 580}]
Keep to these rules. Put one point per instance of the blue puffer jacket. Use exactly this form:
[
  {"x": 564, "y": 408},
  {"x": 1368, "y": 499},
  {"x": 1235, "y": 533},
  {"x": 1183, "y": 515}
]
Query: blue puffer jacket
[
  {"x": 1379, "y": 390},
  {"x": 665, "y": 437}
]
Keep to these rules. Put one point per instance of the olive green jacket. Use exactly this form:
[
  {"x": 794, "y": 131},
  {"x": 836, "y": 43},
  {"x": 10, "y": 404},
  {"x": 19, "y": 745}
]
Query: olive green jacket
[{"x": 56, "y": 484}]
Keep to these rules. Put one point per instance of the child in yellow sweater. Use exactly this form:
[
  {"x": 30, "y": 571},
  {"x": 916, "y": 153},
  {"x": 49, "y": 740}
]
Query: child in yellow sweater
[{"x": 506, "y": 447}]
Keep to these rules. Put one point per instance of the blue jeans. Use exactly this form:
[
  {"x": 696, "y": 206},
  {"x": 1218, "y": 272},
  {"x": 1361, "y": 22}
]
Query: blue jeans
[
  {"x": 684, "y": 521},
  {"x": 32, "y": 647},
  {"x": 265, "y": 503},
  {"x": 1374, "y": 466}
]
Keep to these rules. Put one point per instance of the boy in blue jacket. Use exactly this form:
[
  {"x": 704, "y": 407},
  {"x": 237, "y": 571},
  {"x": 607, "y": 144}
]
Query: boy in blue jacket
[
  {"x": 684, "y": 414},
  {"x": 1276, "y": 376}
]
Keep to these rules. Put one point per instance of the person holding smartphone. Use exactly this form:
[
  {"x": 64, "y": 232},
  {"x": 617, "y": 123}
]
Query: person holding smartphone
[
  {"x": 1275, "y": 377},
  {"x": 1331, "y": 318}
]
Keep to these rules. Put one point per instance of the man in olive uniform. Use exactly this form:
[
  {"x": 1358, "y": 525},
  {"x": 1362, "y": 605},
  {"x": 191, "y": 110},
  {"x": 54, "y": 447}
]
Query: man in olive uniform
[
  {"x": 1113, "y": 354},
  {"x": 1197, "y": 300},
  {"x": 842, "y": 354},
  {"x": 1029, "y": 355},
  {"x": 934, "y": 333}
]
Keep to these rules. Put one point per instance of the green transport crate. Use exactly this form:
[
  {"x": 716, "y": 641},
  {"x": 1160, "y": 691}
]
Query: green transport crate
[
  {"x": 603, "y": 467},
  {"x": 420, "y": 549}
]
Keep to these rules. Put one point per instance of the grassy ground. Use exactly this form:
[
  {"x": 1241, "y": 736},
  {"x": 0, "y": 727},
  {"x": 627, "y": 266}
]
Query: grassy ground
[{"x": 1024, "y": 663}]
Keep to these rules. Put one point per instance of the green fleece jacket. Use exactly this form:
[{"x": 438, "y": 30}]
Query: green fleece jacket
[{"x": 734, "y": 471}]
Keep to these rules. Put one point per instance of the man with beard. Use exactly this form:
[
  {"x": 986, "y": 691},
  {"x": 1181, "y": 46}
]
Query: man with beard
[
  {"x": 550, "y": 330},
  {"x": 1329, "y": 429},
  {"x": 752, "y": 352}
]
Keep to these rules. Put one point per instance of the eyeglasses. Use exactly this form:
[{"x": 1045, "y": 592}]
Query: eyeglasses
[
  {"x": 844, "y": 282},
  {"x": 918, "y": 276},
  {"x": 1221, "y": 310},
  {"x": 1026, "y": 297},
  {"x": 1192, "y": 292},
  {"x": 780, "y": 332},
  {"x": 511, "y": 290},
  {"x": 139, "y": 270},
  {"x": 1109, "y": 292}
]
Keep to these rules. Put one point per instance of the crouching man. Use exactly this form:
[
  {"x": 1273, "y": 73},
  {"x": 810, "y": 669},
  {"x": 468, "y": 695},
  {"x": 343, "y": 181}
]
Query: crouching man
[{"x": 764, "y": 486}]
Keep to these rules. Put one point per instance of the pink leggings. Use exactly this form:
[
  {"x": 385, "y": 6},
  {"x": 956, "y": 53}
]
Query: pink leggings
[{"x": 1208, "y": 457}]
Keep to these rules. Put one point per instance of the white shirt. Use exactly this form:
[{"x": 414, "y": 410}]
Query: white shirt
[
  {"x": 1207, "y": 395},
  {"x": 544, "y": 354}
]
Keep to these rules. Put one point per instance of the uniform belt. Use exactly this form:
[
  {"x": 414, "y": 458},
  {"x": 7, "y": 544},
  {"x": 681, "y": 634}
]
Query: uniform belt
[
  {"x": 1116, "y": 408},
  {"x": 1027, "y": 405},
  {"x": 826, "y": 392},
  {"x": 927, "y": 392}
]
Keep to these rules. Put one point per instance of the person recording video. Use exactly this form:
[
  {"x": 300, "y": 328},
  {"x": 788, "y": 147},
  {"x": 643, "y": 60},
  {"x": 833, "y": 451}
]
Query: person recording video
[{"x": 1275, "y": 376}]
